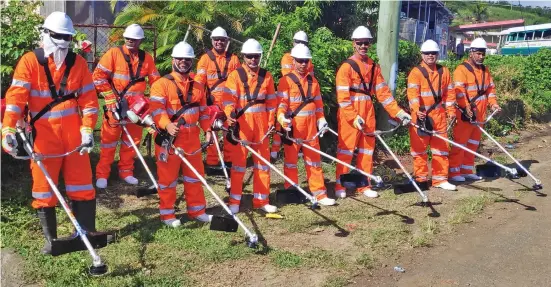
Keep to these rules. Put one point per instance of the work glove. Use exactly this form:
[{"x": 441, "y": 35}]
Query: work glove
[
  {"x": 284, "y": 122},
  {"x": 359, "y": 123},
  {"x": 9, "y": 143},
  {"x": 322, "y": 124},
  {"x": 404, "y": 117},
  {"x": 110, "y": 100},
  {"x": 86, "y": 140},
  {"x": 496, "y": 107}
]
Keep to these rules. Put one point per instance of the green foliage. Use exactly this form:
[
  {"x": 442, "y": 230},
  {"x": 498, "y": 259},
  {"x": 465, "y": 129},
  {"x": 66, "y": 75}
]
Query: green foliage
[
  {"x": 538, "y": 74},
  {"x": 476, "y": 11},
  {"x": 19, "y": 35}
]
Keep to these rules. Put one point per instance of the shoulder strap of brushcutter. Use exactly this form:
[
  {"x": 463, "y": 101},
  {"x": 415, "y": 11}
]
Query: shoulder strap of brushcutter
[
  {"x": 437, "y": 96},
  {"x": 251, "y": 99},
  {"x": 186, "y": 104},
  {"x": 306, "y": 98},
  {"x": 222, "y": 75},
  {"x": 58, "y": 97},
  {"x": 366, "y": 88},
  {"x": 134, "y": 78},
  {"x": 479, "y": 89}
]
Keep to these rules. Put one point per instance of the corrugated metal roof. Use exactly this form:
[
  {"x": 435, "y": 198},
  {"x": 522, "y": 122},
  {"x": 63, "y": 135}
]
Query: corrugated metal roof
[{"x": 490, "y": 25}]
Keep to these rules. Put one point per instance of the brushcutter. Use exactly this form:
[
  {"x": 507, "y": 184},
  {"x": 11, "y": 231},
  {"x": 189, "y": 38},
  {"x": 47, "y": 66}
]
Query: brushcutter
[
  {"x": 352, "y": 180},
  {"x": 521, "y": 173},
  {"x": 88, "y": 240},
  {"x": 247, "y": 145},
  {"x": 511, "y": 172},
  {"x": 228, "y": 181},
  {"x": 220, "y": 223},
  {"x": 378, "y": 134}
]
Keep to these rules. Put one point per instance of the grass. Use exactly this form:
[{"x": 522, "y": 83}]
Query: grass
[{"x": 351, "y": 237}]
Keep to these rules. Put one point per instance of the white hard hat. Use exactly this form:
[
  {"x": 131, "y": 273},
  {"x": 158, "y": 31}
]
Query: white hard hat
[
  {"x": 251, "y": 46},
  {"x": 218, "y": 32},
  {"x": 134, "y": 31},
  {"x": 479, "y": 43},
  {"x": 430, "y": 46},
  {"x": 183, "y": 50},
  {"x": 300, "y": 51},
  {"x": 300, "y": 36},
  {"x": 60, "y": 23},
  {"x": 361, "y": 33}
]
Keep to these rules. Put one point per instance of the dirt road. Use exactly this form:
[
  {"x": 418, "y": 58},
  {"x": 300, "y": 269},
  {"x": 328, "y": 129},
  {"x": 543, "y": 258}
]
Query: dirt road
[{"x": 509, "y": 245}]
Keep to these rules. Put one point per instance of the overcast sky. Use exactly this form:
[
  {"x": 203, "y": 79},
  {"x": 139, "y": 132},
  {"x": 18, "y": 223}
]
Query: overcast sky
[{"x": 533, "y": 3}]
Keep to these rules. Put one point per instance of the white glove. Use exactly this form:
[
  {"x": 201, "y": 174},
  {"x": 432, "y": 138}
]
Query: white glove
[
  {"x": 285, "y": 122},
  {"x": 322, "y": 124},
  {"x": 404, "y": 117},
  {"x": 359, "y": 123},
  {"x": 9, "y": 143},
  {"x": 273, "y": 154},
  {"x": 86, "y": 140}
]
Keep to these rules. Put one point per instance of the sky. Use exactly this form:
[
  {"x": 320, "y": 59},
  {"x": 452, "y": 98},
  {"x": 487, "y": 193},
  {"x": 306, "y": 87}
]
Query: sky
[{"x": 532, "y": 3}]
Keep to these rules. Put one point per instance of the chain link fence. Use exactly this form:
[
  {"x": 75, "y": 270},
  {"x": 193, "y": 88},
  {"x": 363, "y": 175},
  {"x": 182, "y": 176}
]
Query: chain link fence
[{"x": 104, "y": 37}]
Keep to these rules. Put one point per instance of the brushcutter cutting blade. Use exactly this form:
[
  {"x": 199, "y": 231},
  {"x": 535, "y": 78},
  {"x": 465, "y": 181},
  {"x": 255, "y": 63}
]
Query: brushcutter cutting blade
[
  {"x": 290, "y": 196},
  {"x": 97, "y": 270},
  {"x": 354, "y": 180},
  {"x": 73, "y": 243},
  {"x": 488, "y": 170},
  {"x": 409, "y": 187},
  {"x": 223, "y": 223},
  {"x": 146, "y": 191},
  {"x": 537, "y": 186}
]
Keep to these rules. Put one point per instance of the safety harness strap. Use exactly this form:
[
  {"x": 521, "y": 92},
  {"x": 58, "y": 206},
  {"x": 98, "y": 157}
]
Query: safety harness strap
[
  {"x": 437, "y": 96},
  {"x": 251, "y": 99},
  {"x": 134, "y": 78},
  {"x": 479, "y": 89},
  {"x": 306, "y": 98},
  {"x": 58, "y": 97},
  {"x": 367, "y": 89},
  {"x": 186, "y": 104},
  {"x": 222, "y": 75}
]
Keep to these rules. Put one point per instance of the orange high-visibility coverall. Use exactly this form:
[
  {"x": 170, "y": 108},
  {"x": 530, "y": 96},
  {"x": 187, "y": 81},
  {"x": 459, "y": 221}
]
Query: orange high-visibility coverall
[
  {"x": 207, "y": 74},
  {"x": 113, "y": 67},
  {"x": 286, "y": 67},
  {"x": 421, "y": 99},
  {"x": 57, "y": 131},
  {"x": 253, "y": 125},
  {"x": 305, "y": 127},
  {"x": 464, "y": 133},
  {"x": 352, "y": 104},
  {"x": 164, "y": 104}
]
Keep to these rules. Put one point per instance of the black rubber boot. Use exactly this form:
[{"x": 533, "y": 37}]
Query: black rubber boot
[
  {"x": 48, "y": 221},
  {"x": 85, "y": 213}
]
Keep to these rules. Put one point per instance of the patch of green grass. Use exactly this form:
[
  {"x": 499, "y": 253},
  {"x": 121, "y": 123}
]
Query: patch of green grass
[
  {"x": 320, "y": 258},
  {"x": 366, "y": 260},
  {"x": 285, "y": 259},
  {"x": 468, "y": 207},
  {"x": 337, "y": 281}
]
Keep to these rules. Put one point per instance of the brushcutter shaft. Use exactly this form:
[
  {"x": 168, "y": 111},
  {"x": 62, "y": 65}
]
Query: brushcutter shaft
[{"x": 220, "y": 157}]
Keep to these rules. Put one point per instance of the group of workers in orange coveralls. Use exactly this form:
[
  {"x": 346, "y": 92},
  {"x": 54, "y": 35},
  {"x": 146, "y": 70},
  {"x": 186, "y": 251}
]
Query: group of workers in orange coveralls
[{"x": 53, "y": 92}]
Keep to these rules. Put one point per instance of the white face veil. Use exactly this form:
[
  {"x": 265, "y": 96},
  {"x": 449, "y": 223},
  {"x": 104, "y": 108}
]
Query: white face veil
[{"x": 59, "y": 48}]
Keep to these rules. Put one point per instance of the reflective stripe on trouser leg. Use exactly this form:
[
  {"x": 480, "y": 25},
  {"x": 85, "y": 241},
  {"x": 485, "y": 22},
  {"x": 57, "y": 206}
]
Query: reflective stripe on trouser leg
[
  {"x": 167, "y": 173},
  {"x": 261, "y": 172},
  {"x": 418, "y": 150},
  {"x": 312, "y": 163},
  {"x": 193, "y": 189},
  {"x": 109, "y": 139},
  {"x": 239, "y": 163},
  {"x": 77, "y": 174},
  {"x": 126, "y": 152},
  {"x": 440, "y": 165},
  {"x": 290, "y": 159},
  {"x": 468, "y": 158},
  {"x": 41, "y": 191},
  {"x": 347, "y": 142},
  {"x": 461, "y": 133},
  {"x": 366, "y": 147}
]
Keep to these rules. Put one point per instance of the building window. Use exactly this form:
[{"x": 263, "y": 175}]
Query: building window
[
  {"x": 529, "y": 36},
  {"x": 546, "y": 34}
]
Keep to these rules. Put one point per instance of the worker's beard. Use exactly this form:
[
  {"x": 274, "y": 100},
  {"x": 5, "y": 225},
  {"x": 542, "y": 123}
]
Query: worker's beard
[
  {"x": 183, "y": 70},
  {"x": 59, "y": 48}
]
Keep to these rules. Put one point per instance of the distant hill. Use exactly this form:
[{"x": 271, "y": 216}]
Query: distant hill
[{"x": 468, "y": 12}]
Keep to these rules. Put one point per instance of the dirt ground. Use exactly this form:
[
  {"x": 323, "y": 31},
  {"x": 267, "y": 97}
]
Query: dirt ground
[{"x": 508, "y": 245}]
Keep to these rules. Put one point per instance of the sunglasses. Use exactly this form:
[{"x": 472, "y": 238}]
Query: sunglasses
[
  {"x": 219, "y": 39},
  {"x": 364, "y": 43},
  {"x": 301, "y": 42},
  {"x": 252, "y": 56},
  {"x": 63, "y": 37},
  {"x": 302, "y": 61},
  {"x": 430, "y": 53},
  {"x": 130, "y": 39},
  {"x": 184, "y": 59}
]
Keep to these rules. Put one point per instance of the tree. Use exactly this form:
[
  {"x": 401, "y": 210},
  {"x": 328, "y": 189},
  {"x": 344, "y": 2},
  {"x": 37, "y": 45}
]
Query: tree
[{"x": 479, "y": 12}]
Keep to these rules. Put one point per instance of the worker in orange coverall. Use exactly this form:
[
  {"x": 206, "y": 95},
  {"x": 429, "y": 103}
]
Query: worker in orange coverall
[
  {"x": 429, "y": 89},
  {"x": 173, "y": 97},
  {"x": 213, "y": 69},
  {"x": 287, "y": 65},
  {"x": 475, "y": 91},
  {"x": 357, "y": 79},
  {"x": 121, "y": 73},
  {"x": 62, "y": 117},
  {"x": 250, "y": 94},
  {"x": 301, "y": 110}
]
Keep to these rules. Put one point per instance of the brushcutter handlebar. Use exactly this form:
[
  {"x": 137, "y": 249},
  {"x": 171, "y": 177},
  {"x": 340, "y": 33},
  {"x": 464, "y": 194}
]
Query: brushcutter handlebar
[
  {"x": 487, "y": 119},
  {"x": 37, "y": 156},
  {"x": 302, "y": 141},
  {"x": 395, "y": 125},
  {"x": 200, "y": 149},
  {"x": 248, "y": 143}
]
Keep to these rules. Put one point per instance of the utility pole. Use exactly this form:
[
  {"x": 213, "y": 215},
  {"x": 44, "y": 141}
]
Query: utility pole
[{"x": 387, "y": 49}]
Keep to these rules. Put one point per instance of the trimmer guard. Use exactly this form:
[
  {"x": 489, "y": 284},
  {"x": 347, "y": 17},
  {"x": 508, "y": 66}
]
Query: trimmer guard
[
  {"x": 354, "y": 180},
  {"x": 73, "y": 243},
  {"x": 409, "y": 187},
  {"x": 290, "y": 196},
  {"x": 145, "y": 191},
  {"x": 223, "y": 223}
]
